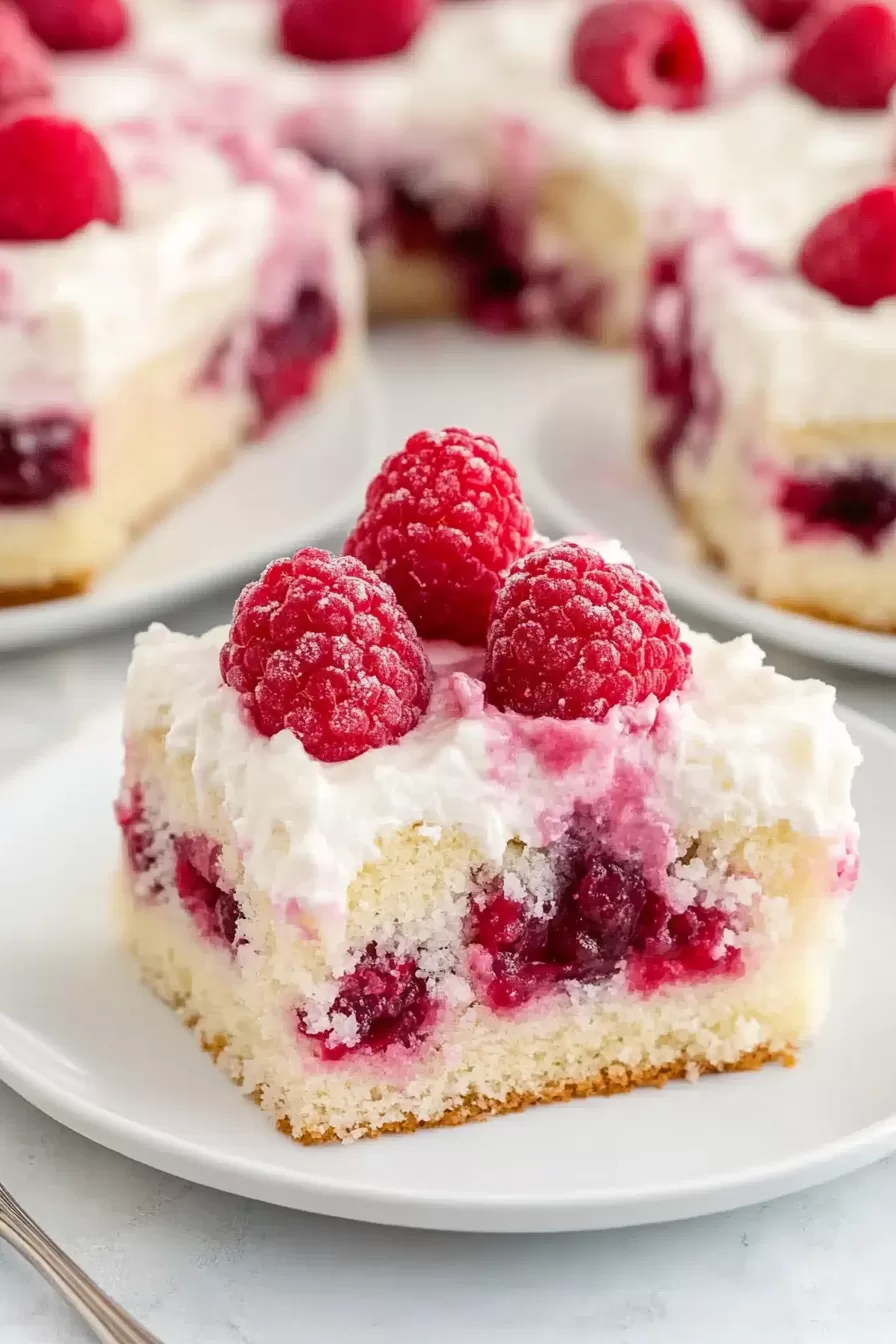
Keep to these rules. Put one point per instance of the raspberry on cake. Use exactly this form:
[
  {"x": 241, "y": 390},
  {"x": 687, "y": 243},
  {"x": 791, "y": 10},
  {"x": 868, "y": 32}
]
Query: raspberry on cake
[
  {"x": 443, "y": 520},
  {"x": 169, "y": 289},
  {"x": 391, "y": 883},
  {"x": 78, "y": 25}
]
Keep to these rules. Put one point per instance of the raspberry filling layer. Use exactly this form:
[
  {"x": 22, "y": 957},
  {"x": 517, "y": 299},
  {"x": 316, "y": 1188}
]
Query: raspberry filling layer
[
  {"x": 285, "y": 362},
  {"x": 41, "y": 458},
  {"x": 603, "y": 919},
  {"x": 501, "y": 288},
  {"x": 382, "y": 1002},
  {"x": 667, "y": 357},
  {"x": 857, "y": 504}
]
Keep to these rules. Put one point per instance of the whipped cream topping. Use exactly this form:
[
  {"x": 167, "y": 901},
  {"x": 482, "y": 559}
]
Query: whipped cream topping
[{"x": 740, "y": 747}]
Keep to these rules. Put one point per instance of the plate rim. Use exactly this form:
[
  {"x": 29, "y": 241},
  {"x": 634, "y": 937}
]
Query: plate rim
[
  {"x": 444, "y": 1209},
  {"x": 32, "y": 625},
  {"x": 866, "y": 650}
]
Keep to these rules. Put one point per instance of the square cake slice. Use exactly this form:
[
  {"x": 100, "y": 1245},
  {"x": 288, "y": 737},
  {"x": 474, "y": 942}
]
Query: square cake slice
[{"x": 462, "y": 821}]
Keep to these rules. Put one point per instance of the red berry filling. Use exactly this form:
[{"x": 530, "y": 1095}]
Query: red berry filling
[
  {"x": 667, "y": 358},
  {"x": 501, "y": 287},
  {"x": 844, "y": 55},
  {"x": 681, "y": 947},
  {"x": 214, "y": 910},
  {"x": 603, "y": 919},
  {"x": 41, "y": 458},
  {"x": 286, "y": 360},
  {"x": 25, "y": 73},
  {"x": 77, "y": 25},
  {"x": 857, "y": 504},
  {"x": 382, "y": 1002},
  {"x": 571, "y": 636},
  {"x": 350, "y": 30},
  {"x": 639, "y": 53},
  {"x": 682, "y": 389},
  {"x": 778, "y": 16}
]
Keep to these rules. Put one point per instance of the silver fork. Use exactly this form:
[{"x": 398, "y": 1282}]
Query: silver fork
[{"x": 106, "y": 1318}]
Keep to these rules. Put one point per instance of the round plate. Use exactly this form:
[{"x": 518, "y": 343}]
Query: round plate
[
  {"x": 581, "y": 471},
  {"x": 304, "y": 479},
  {"x": 81, "y": 1039}
]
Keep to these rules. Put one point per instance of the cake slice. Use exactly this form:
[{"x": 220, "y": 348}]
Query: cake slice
[
  {"x": 463, "y": 136},
  {"x": 462, "y": 821},
  {"x": 190, "y": 290},
  {"x": 769, "y": 339}
]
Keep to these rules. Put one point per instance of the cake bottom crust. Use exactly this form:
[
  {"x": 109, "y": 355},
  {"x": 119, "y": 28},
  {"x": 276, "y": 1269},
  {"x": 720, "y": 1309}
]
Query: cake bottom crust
[{"x": 607, "y": 1082}]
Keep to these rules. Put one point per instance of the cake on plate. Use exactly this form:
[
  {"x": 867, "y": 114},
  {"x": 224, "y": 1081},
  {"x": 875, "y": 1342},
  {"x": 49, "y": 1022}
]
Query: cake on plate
[
  {"x": 462, "y": 820},
  {"x": 164, "y": 294},
  {"x": 769, "y": 332},
  {"x": 454, "y": 121}
]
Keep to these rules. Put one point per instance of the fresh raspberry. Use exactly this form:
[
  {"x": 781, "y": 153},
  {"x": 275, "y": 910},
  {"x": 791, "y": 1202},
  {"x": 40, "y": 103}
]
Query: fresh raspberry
[
  {"x": 639, "y": 53},
  {"x": 845, "y": 55},
  {"x": 778, "y": 16},
  {"x": 77, "y": 25},
  {"x": 851, "y": 253},
  {"x": 350, "y": 30},
  {"x": 572, "y": 635},
  {"x": 24, "y": 65},
  {"x": 55, "y": 178},
  {"x": 442, "y": 522},
  {"x": 320, "y": 646}
]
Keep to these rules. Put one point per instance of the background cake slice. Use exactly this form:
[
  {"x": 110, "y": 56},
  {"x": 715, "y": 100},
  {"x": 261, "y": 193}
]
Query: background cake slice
[
  {"x": 210, "y": 283},
  {"x": 392, "y": 881}
]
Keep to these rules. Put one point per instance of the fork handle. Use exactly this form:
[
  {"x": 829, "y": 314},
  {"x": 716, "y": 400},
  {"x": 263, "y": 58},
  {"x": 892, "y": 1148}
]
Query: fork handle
[{"x": 108, "y": 1321}]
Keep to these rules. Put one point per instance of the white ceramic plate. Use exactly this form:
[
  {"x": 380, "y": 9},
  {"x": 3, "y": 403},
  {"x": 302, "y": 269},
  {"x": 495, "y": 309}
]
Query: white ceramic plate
[
  {"x": 302, "y": 481},
  {"x": 580, "y": 472},
  {"x": 85, "y": 1042}
]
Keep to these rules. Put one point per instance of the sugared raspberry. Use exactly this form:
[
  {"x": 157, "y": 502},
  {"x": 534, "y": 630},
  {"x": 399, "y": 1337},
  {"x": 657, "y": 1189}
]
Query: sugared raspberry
[
  {"x": 443, "y": 520},
  {"x": 320, "y": 646},
  {"x": 851, "y": 253},
  {"x": 844, "y": 55},
  {"x": 350, "y": 30},
  {"x": 55, "y": 178},
  {"x": 77, "y": 25},
  {"x": 778, "y": 16},
  {"x": 639, "y": 53},
  {"x": 24, "y": 65},
  {"x": 572, "y": 635}
]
